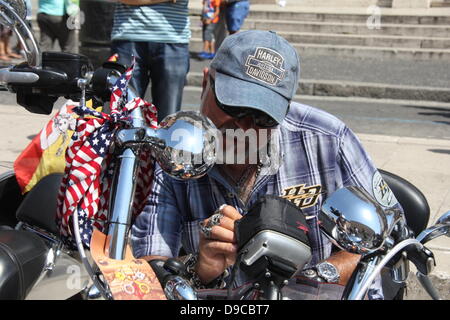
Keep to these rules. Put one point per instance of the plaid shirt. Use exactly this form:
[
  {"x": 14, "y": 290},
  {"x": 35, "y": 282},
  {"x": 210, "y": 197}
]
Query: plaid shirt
[{"x": 320, "y": 154}]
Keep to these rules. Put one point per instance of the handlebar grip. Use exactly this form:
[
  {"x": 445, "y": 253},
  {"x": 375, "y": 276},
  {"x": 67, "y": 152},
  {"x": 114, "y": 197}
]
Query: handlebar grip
[
  {"x": 161, "y": 273},
  {"x": 7, "y": 76}
]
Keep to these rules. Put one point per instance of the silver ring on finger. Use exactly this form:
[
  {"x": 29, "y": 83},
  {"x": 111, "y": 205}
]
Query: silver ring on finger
[
  {"x": 206, "y": 230},
  {"x": 214, "y": 220}
]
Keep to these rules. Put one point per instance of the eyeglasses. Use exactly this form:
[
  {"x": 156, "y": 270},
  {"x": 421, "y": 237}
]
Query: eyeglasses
[{"x": 260, "y": 118}]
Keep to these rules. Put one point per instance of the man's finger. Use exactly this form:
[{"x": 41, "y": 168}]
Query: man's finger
[
  {"x": 221, "y": 234},
  {"x": 231, "y": 212},
  {"x": 220, "y": 247}
]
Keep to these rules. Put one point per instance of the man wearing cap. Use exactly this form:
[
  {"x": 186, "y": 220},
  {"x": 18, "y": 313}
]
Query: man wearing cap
[{"x": 249, "y": 86}]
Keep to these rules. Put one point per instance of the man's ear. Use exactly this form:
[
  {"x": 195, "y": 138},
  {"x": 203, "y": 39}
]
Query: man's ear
[{"x": 205, "y": 79}]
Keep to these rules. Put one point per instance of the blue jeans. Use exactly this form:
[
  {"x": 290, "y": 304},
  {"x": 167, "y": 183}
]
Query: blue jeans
[
  {"x": 165, "y": 64},
  {"x": 236, "y": 13}
]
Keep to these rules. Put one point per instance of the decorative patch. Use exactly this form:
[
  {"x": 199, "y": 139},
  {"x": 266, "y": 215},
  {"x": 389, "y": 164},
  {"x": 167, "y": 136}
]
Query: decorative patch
[
  {"x": 302, "y": 196},
  {"x": 265, "y": 65},
  {"x": 383, "y": 194}
]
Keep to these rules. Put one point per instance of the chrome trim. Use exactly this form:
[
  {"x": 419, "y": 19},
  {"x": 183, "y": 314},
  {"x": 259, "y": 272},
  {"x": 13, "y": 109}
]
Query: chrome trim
[
  {"x": 178, "y": 288},
  {"x": 440, "y": 228},
  {"x": 374, "y": 268},
  {"x": 120, "y": 218},
  {"x": 400, "y": 271},
  {"x": 274, "y": 244},
  {"x": 355, "y": 221}
]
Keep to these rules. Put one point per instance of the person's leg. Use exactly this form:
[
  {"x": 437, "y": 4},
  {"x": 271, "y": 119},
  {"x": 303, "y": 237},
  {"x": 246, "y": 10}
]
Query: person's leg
[
  {"x": 212, "y": 44},
  {"x": 236, "y": 13},
  {"x": 208, "y": 41},
  {"x": 203, "y": 54},
  {"x": 8, "y": 50},
  {"x": 168, "y": 69},
  {"x": 67, "y": 38},
  {"x": 3, "y": 55},
  {"x": 46, "y": 25},
  {"x": 126, "y": 50}
]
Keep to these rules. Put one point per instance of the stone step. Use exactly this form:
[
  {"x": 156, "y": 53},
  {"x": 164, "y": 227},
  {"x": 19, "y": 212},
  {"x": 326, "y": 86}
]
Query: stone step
[
  {"x": 355, "y": 17},
  {"x": 348, "y": 28},
  {"x": 391, "y": 41},
  {"x": 440, "y": 4},
  {"x": 335, "y": 88},
  {"x": 196, "y": 45}
]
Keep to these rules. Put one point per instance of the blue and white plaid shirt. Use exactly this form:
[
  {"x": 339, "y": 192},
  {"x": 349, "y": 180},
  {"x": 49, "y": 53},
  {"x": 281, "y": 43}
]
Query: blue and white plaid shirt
[{"x": 320, "y": 154}]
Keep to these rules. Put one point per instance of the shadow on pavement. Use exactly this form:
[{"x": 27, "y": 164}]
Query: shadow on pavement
[{"x": 442, "y": 151}]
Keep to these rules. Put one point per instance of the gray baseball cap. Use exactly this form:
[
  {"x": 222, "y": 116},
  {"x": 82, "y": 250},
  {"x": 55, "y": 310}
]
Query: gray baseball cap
[{"x": 257, "y": 69}]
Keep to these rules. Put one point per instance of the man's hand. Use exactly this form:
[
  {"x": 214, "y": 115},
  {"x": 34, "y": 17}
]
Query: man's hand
[{"x": 218, "y": 252}]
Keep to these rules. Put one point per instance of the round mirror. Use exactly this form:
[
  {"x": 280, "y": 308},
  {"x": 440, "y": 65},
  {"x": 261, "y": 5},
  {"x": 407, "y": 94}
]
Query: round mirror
[
  {"x": 18, "y": 6},
  {"x": 189, "y": 140},
  {"x": 354, "y": 221}
]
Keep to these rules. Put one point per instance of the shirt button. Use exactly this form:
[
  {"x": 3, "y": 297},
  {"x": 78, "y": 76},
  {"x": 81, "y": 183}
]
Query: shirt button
[{"x": 230, "y": 195}]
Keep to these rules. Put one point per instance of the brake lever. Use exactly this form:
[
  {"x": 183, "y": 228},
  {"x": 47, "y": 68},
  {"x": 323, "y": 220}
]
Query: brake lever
[
  {"x": 175, "y": 286},
  {"x": 422, "y": 258}
]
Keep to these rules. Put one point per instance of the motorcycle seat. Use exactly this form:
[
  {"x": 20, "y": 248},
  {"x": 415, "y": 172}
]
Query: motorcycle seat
[
  {"x": 22, "y": 259},
  {"x": 39, "y": 206},
  {"x": 414, "y": 203}
]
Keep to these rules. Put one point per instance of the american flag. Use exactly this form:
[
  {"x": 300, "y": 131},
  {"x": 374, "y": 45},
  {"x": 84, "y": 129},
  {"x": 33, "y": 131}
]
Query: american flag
[{"x": 87, "y": 179}]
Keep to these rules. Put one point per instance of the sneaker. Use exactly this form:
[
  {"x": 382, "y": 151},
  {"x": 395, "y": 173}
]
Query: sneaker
[
  {"x": 211, "y": 55},
  {"x": 203, "y": 55}
]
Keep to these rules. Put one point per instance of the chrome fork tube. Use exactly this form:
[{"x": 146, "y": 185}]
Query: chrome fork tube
[
  {"x": 363, "y": 274},
  {"x": 123, "y": 192},
  {"x": 120, "y": 219}
]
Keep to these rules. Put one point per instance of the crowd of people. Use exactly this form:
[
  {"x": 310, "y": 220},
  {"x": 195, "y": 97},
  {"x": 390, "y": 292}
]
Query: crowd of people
[
  {"x": 52, "y": 16},
  {"x": 235, "y": 14}
]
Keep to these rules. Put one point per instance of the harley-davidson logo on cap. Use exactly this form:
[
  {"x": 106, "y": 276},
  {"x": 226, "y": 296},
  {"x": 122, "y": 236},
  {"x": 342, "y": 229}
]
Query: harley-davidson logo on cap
[{"x": 265, "y": 65}]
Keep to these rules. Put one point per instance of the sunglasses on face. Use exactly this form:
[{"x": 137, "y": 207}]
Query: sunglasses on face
[{"x": 260, "y": 118}]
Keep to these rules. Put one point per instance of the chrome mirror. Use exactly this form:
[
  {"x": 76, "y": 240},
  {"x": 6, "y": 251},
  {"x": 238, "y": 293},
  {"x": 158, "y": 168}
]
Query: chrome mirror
[
  {"x": 13, "y": 14},
  {"x": 187, "y": 145},
  {"x": 354, "y": 221}
]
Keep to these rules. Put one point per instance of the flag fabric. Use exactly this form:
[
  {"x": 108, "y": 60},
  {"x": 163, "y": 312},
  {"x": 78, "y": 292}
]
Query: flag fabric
[
  {"x": 45, "y": 154},
  {"x": 87, "y": 180}
]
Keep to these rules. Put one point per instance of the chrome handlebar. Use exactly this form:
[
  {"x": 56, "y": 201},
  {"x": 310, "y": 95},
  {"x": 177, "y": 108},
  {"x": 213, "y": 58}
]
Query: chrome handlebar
[{"x": 7, "y": 76}]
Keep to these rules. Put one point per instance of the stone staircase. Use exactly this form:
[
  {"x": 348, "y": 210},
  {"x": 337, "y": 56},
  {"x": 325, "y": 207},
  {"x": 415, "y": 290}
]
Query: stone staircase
[
  {"x": 407, "y": 42},
  {"x": 362, "y": 34}
]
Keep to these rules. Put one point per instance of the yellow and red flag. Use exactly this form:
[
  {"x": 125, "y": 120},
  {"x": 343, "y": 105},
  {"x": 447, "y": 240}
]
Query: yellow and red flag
[{"x": 46, "y": 152}]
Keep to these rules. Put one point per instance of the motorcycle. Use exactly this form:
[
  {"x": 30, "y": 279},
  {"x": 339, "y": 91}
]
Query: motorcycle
[{"x": 35, "y": 259}]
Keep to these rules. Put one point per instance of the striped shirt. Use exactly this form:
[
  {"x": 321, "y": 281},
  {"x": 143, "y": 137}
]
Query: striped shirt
[
  {"x": 320, "y": 154},
  {"x": 165, "y": 22}
]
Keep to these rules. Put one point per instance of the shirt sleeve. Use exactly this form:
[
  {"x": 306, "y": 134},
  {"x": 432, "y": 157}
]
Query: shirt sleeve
[{"x": 157, "y": 230}]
